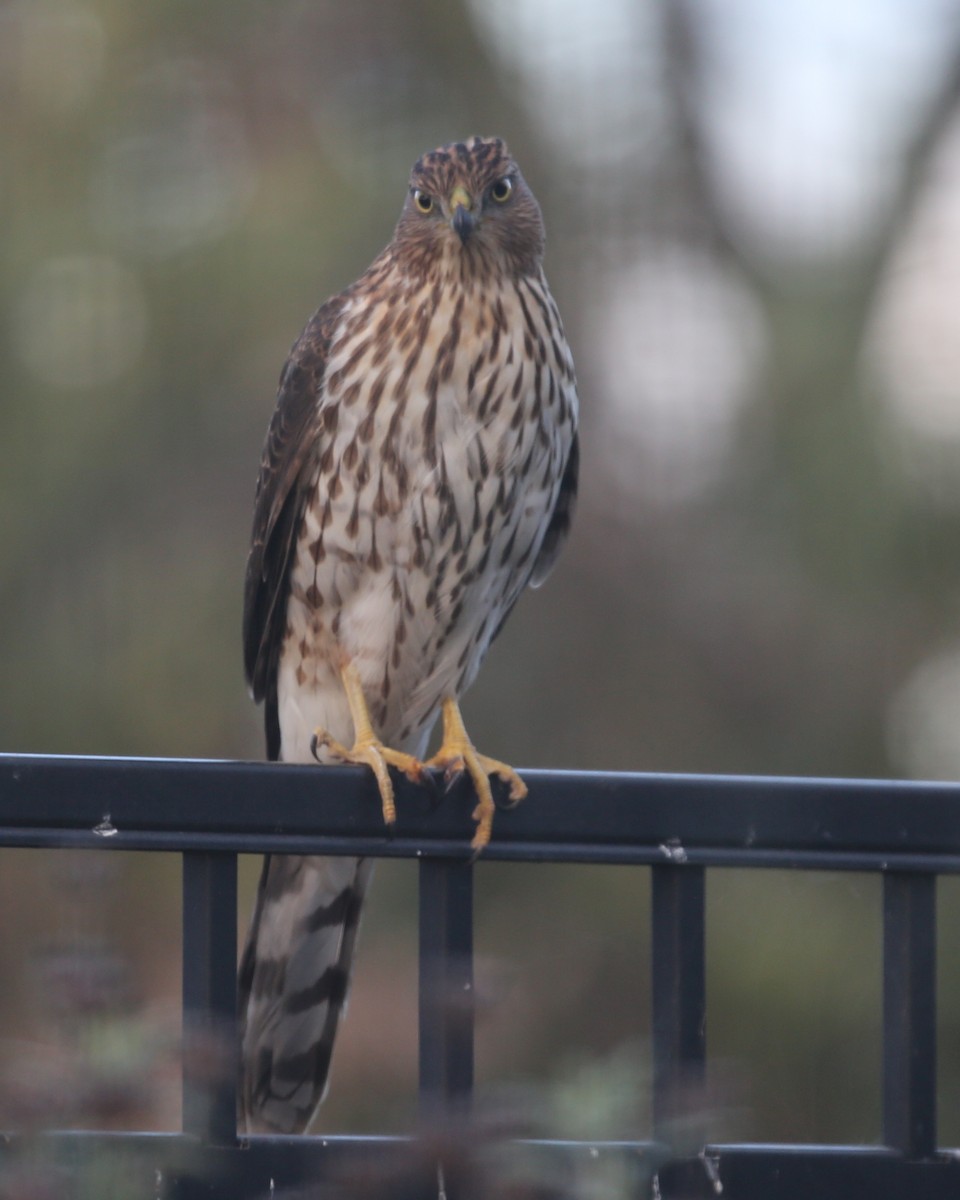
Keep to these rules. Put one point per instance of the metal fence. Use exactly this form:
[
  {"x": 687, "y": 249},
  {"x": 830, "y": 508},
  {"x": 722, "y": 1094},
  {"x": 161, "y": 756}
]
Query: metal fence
[{"x": 680, "y": 826}]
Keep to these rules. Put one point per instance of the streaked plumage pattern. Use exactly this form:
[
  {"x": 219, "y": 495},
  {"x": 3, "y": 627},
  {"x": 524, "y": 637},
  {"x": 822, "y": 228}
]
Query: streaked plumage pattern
[{"x": 419, "y": 471}]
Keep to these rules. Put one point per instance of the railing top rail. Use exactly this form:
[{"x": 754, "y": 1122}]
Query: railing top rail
[
  {"x": 676, "y": 823},
  {"x": 176, "y": 804}
]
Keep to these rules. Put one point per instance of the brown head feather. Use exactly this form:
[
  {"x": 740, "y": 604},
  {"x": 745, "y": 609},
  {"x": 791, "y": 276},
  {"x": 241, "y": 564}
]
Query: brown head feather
[{"x": 508, "y": 237}]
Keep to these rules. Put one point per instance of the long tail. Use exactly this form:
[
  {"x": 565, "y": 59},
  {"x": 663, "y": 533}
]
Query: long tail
[{"x": 293, "y": 981}]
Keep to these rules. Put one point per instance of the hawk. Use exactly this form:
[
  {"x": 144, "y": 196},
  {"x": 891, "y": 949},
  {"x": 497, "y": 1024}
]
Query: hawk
[{"x": 420, "y": 470}]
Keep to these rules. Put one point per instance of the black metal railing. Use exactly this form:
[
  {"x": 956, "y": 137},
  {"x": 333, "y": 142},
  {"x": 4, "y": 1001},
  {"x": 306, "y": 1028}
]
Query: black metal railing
[{"x": 680, "y": 826}]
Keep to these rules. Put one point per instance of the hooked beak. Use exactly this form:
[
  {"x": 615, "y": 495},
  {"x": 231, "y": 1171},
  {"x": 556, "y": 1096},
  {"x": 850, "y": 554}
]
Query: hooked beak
[{"x": 462, "y": 219}]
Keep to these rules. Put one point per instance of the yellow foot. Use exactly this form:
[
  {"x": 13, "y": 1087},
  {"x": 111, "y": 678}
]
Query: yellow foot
[
  {"x": 374, "y": 754},
  {"x": 457, "y": 754},
  {"x": 367, "y": 748}
]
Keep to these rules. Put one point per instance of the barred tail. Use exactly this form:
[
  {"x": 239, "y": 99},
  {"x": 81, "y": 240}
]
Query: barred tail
[{"x": 293, "y": 982}]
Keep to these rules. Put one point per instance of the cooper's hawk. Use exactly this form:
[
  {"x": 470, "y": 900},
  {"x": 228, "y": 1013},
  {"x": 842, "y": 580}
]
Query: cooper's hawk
[{"x": 419, "y": 471}]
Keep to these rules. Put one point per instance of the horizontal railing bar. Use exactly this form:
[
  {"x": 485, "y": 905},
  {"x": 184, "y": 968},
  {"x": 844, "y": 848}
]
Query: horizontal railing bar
[
  {"x": 775, "y": 1172},
  {"x": 575, "y": 816},
  {"x": 381, "y": 846},
  {"x": 320, "y": 1144},
  {"x": 827, "y": 1173}
]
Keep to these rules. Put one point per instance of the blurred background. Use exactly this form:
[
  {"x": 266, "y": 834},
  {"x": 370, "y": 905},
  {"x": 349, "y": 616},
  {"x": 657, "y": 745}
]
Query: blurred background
[{"x": 753, "y": 217}]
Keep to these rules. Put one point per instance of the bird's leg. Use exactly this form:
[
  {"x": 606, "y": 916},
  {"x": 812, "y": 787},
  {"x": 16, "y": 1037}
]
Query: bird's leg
[
  {"x": 457, "y": 754},
  {"x": 367, "y": 748}
]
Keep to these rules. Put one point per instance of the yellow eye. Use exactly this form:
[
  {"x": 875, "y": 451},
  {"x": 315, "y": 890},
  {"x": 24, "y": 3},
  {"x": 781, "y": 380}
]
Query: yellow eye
[
  {"x": 423, "y": 200},
  {"x": 502, "y": 190}
]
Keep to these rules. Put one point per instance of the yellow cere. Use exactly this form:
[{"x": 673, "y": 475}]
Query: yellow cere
[{"x": 459, "y": 198}]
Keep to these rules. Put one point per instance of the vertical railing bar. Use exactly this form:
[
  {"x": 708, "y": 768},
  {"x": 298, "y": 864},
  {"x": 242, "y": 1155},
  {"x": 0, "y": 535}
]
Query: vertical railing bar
[
  {"x": 446, "y": 1005},
  {"x": 678, "y": 979},
  {"x": 909, "y": 1013},
  {"x": 210, "y": 1036}
]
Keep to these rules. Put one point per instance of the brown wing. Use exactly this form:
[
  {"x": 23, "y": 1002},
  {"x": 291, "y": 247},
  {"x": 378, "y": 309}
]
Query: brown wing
[
  {"x": 560, "y": 521},
  {"x": 557, "y": 530},
  {"x": 290, "y": 454}
]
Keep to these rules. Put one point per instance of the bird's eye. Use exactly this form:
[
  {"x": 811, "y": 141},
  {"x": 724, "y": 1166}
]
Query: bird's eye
[
  {"x": 423, "y": 200},
  {"x": 502, "y": 190}
]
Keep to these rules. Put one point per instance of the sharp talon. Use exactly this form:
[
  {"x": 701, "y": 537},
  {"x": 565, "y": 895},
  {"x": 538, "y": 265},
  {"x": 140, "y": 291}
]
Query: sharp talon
[
  {"x": 481, "y": 838},
  {"x": 452, "y": 773},
  {"x": 322, "y": 740},
  {"x": 516, "y": 792},
  {"x": 367, "y": 748},
  {"x": 456, "y": 756}
]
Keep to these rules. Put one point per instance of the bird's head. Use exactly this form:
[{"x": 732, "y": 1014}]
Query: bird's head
[{"x": 469, "y": 202}]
